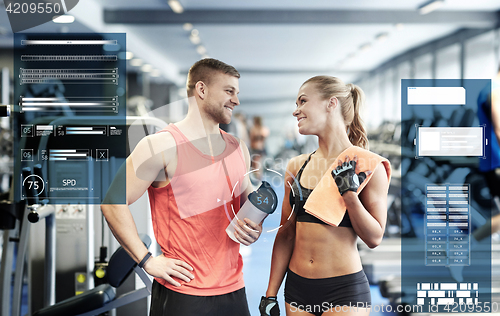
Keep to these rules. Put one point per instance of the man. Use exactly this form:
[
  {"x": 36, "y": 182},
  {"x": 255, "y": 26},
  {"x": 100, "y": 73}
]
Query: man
[
  {"x": 195, "y": 176},
  {"x": 489, "y": 116}
]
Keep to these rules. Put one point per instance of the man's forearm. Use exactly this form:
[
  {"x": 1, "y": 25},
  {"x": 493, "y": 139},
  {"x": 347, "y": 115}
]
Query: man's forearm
[{"x": 122, "y": 225}]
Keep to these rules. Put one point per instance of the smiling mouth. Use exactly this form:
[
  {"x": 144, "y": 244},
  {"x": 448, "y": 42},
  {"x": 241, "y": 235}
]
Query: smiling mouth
[
  {"x": 230, "y": 109},
  {"x": 300, "y": 119}
]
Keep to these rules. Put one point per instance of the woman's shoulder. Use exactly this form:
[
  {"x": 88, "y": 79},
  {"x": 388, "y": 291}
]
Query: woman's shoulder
[{"x": 364, "y": 153}]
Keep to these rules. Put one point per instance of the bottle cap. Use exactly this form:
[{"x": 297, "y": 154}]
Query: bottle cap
[{"x": 264, "y": 198}]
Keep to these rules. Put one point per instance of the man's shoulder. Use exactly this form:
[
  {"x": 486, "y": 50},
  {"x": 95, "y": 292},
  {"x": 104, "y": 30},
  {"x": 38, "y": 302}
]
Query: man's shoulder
[
  {"x": 162, "y": 140},
  {"x": 231, "y": 138},
  {"x": 159, "y": 147}
]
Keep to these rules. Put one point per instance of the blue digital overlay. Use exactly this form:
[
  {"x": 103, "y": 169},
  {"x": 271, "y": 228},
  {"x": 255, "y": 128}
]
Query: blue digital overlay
[
  {"x": 69, "y": 116},
  {"x": 445, "y": 197}
]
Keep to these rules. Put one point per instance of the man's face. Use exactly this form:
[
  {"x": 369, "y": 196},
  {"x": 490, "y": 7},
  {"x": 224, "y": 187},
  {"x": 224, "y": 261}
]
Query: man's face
[{"x": 222, "y": 97}]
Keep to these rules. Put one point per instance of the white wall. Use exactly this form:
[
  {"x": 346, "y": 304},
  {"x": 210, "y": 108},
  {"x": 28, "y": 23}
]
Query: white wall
[{"x": 481, "y": 59}]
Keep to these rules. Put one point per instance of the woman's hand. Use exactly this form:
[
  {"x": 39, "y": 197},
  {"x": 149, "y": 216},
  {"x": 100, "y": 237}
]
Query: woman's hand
[{"x": 345, "y": 175}]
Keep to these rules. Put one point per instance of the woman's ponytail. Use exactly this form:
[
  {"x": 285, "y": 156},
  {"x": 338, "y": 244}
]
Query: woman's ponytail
[{"x": 357, "y": 132}]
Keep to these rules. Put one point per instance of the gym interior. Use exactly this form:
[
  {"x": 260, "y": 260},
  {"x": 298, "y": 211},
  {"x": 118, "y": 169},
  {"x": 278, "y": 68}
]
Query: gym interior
[{"x": 57, "y": 161}]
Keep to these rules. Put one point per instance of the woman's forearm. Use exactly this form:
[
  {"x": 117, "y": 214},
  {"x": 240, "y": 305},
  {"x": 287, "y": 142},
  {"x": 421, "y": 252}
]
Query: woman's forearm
[{"x": 366, "y": 226}]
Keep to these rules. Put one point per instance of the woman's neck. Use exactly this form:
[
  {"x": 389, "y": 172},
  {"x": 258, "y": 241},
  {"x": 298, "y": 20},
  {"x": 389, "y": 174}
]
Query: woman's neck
[{"x": 332, "y": 144}]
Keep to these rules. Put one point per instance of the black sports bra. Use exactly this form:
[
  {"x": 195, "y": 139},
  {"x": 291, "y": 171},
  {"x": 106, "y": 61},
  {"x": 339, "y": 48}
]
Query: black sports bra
[{"x": 298, "y": 197}]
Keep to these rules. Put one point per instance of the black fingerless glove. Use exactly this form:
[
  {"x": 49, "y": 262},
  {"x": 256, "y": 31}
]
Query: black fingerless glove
[
  {"x": 346, "y": 178},
  {"x": 269, "y": 306}
]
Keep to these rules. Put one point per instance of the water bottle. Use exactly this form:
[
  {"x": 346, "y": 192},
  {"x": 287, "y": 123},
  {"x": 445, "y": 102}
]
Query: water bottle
[{"x": 258, "y": 206}]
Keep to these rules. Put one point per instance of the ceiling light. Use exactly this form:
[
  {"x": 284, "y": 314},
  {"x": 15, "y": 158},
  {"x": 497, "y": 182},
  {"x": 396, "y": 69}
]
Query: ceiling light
[
  {"x": 399, "y": 26},
  {"x": 136, "y": 62},
  {"x": 155, "y": 73},
  {"x": 129, "y": 55},
  {"x": 350, "y": 56},
  {"x": 382, "y": 36},
  {"x": 175, "y": 6},
  {"x": 430, "y": 6},
  {"x": 146, "y": 68},
  {"x": 365, "y": 47},
  {"x": 63, "y": 19},
  {"x": 195, "y": 32},
  {"x": 187, "y": 26},
  {"x": 201, "y": 50},
  {"x": 195, "y": 39}
]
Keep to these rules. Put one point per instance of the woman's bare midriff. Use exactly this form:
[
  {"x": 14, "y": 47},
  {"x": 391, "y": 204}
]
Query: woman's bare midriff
[{"x": 323, "y": 251}]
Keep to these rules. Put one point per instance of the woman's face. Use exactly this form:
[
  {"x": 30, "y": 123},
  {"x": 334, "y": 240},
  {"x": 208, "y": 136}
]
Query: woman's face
[{"x": 311, "y": 111}]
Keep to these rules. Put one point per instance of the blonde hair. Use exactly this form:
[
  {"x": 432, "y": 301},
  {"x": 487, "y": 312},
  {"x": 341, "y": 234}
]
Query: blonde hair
[
  {"x": 351, "y": 98},
  {"x": 257, "y": 121}
]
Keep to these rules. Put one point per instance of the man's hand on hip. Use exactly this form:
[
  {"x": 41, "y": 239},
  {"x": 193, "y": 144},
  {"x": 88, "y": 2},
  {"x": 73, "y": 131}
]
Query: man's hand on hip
[{"x": 166, "y": 268}]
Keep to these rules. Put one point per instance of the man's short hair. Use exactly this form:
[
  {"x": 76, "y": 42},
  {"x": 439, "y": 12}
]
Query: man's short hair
[{"x": 204, "y": 69}]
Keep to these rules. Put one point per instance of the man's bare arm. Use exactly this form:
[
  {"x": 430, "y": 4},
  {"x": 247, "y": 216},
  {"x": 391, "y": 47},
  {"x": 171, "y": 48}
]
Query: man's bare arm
[
  {"x": 247, "y": 232},
  {"x": 495, "y": 112},
  {"x": 142, "y": 168},
  {"x": 247, "y": 186}
]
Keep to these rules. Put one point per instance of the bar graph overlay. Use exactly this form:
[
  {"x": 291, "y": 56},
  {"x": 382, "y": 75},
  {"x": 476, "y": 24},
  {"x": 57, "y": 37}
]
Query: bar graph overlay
[
  {"x": 69, "y": 76},
  {"x": 69, "y": 154},
  {"x": 76, "y": 104},
  {"x": 36, "y": 58},
  {"x": 447, "y": 223}
]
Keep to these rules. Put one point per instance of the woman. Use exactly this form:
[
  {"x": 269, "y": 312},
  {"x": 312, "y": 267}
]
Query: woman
[{"x": 320, "y": 257}]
